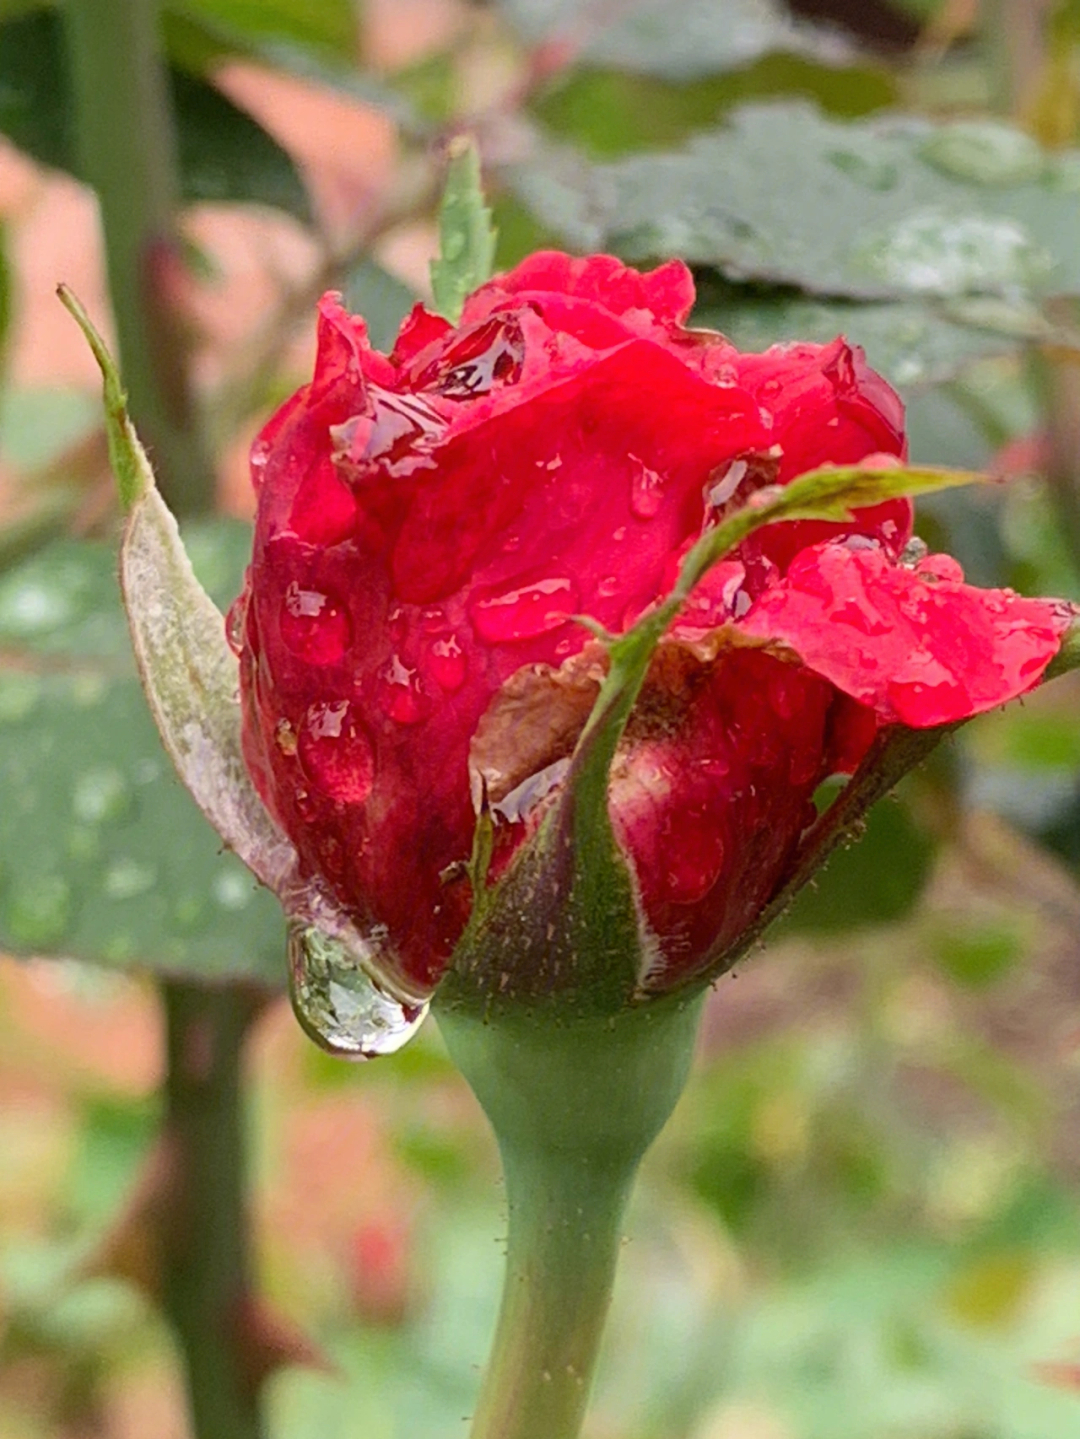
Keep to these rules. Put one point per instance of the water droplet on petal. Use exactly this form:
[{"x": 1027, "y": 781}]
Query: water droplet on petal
[
  {"x": 338, "y": 1003},
  {"x": 260, "y": 453},
  {"x": 447, "y": 664},
  {"x": 335, "y": 751},
  {"x": 395, "y": 434},
  {"x": 646, "y": 490},
  {"x": 524, "y": 613},
  {"x": 490, "y": 355},
  {"x": 236, "y": 622},
  {"x": 607, "y": 586},
  {"x": 940, "y": 567},
  {"x": 313, "y": 626},
  {"x": 725, "y": 377},
  {"x": 400, "y": 693}
]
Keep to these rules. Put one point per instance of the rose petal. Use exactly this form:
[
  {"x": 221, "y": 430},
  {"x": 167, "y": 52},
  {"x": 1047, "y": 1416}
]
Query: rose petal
[{"x": 918, "y": 651}]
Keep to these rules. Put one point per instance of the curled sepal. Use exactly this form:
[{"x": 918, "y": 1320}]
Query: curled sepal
[
  {"x": 1068, "y": 656},
  {"x": 187, "y": 670}
]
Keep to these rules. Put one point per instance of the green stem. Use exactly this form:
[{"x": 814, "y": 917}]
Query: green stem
[
  {"x": 1059, "y": 372},
  {"x": 207, "y": 1262},
  {"x": 127, "y": 151},
  {"x": 574, "y": 1107}
]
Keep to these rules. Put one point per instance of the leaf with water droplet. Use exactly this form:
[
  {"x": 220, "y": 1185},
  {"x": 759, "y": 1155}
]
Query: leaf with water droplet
[
  {"x": 913, "y": 343},
  {"x": 758, "y": 200},
  {"x": 466, "y": 235},
  {"x": 85, "y": 784}
]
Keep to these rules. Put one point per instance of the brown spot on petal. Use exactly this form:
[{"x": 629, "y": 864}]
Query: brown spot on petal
[{"x": 534, "y": 721}]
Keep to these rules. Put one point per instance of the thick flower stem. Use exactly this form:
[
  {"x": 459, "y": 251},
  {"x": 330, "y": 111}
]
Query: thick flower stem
[
  {"x": 574, "y": 1106},
  {"x": 126, "y": 147},
  {"x": 207, "y": 1263}
]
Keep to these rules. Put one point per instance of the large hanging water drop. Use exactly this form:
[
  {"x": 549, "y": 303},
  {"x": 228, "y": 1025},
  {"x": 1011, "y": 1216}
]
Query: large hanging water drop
[{"x": 337, "y": 1002}]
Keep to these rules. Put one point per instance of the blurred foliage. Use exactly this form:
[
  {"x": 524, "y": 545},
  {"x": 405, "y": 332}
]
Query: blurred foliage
[
  {"x": 224, "y": 154},
  {"x": 105, "y": 856},
  {"x": 864, "y": 1219}
]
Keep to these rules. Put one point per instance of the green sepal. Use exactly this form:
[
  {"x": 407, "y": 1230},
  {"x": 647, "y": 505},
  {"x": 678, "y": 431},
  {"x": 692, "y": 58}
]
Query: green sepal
[
  {"x": 466, "y": 234},
  {"x": 188, "y": 672}
]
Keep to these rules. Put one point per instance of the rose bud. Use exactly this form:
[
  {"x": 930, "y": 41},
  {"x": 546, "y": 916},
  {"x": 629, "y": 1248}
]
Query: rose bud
[{"x": 431, "y": 523}]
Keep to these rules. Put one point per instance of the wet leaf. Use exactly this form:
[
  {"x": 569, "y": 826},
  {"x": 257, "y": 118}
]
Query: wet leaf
[
  {"x": 678, "y": 39},
  {"x": 926, "y": 212},
  {"x": 103, "y": 856},
  {"x": 612, "y": 112},
  {"x": 911, "y": 342},
  {"x": 224, "y": 154}
]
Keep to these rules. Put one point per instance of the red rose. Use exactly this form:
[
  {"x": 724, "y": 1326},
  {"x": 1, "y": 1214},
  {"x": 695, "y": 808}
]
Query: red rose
[{"x": 429, "y": 523}]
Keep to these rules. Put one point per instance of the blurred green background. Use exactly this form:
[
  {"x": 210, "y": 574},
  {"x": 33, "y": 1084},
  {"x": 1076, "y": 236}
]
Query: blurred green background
[{"x": 864, "y": 1219}]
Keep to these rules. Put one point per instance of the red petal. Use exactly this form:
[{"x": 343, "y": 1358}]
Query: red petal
[
  {"x": 824, "y": 405},
  {"x": 918, "y": 651},
  {"x": 666, "y": 293}
]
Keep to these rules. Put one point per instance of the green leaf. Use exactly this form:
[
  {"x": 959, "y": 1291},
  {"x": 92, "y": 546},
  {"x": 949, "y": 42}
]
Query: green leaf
[
  {"x": 912, "y": 343},
  {"x": 103, "y": 856},
  {"x": 884, "y": 209},
  {"x": 330, "y": 25},
  {"x": 224, "y": 154},
  {"x": 610, "y": 113},
  {"x": 466, "y": 236},
  {"x": 381, "y": 299},
  {"x": 678, "y": 39}
]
